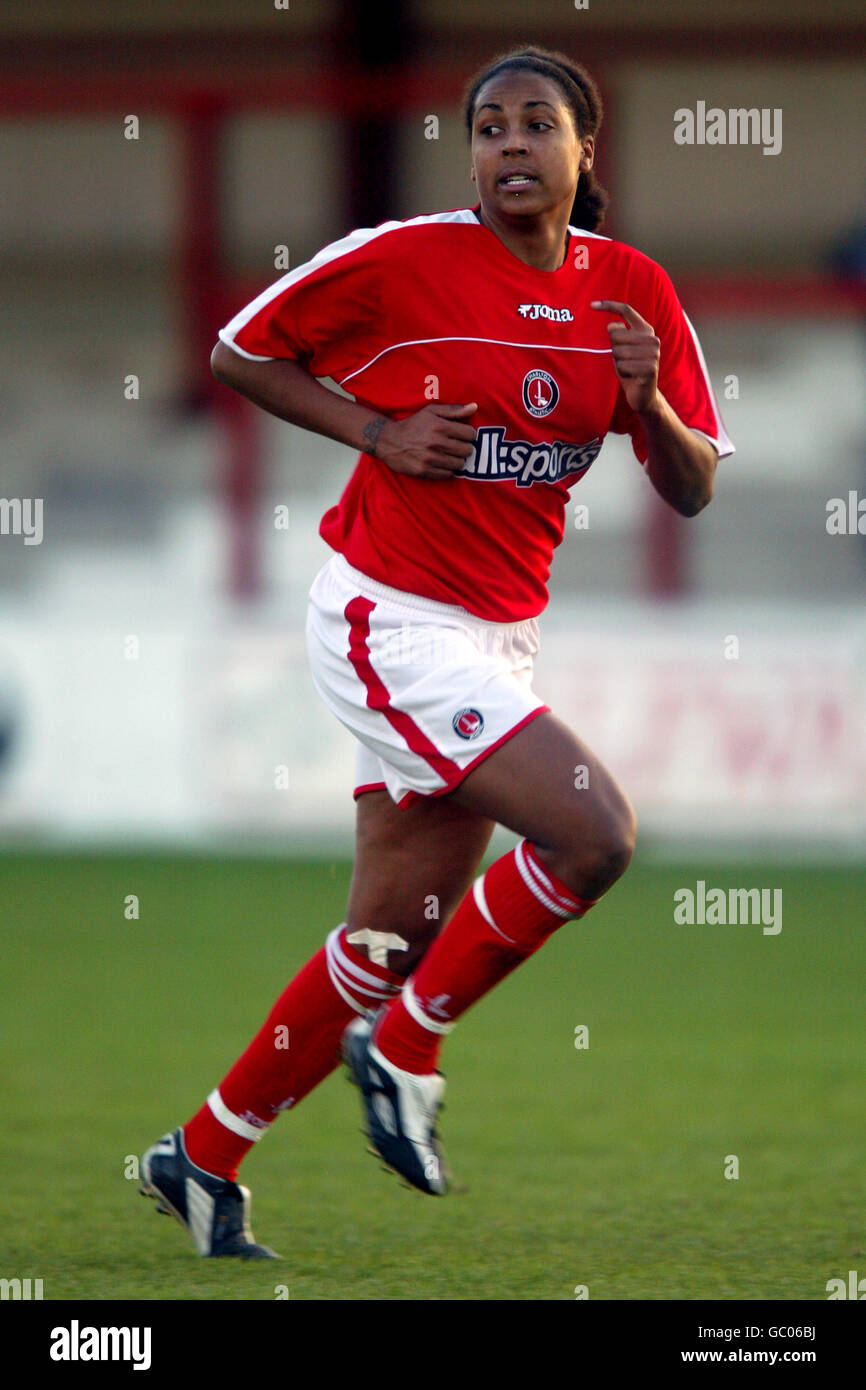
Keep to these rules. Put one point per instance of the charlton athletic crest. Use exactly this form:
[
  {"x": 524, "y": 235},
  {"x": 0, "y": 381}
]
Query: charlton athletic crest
[
  {"x": 467, "y": 723},
  {"x": 540, "y": 392}
]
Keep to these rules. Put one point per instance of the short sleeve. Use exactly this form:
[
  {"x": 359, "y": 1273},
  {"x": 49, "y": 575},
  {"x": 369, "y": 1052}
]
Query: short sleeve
[
  {"x": 683, "y": 377},
  {"x": 327, "y": 313}
]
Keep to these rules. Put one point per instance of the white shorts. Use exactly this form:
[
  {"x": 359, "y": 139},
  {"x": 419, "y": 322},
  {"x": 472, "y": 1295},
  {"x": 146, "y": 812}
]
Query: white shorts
[{"x": 428, "y": 689}]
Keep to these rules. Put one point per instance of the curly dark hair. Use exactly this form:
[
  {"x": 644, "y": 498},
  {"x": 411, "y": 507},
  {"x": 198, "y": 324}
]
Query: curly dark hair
[{"x": 582, "y": 96}]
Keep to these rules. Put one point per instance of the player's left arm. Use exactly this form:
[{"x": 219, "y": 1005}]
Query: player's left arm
[{"x": 681, "y": 464}]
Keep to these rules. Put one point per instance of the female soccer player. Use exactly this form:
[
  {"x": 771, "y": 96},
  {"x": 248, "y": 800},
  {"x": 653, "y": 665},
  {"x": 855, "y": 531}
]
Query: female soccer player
[{"x": 489, "y": 350}]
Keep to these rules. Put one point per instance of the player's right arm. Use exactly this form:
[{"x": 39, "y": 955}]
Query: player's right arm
[{"x": 435, "y": 442}]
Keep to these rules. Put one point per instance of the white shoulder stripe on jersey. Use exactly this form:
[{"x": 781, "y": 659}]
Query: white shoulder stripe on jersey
[
  {"x": 722, "y": 443},
  {"x": 333, "y": 251},
  {"x": 223, "y": 336},
  {"x": 582, "y": 232}
]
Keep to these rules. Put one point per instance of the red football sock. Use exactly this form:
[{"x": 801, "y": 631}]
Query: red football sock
[
  {"x": 296, "y": 1048},
  {"x": 504, "y": 918}
]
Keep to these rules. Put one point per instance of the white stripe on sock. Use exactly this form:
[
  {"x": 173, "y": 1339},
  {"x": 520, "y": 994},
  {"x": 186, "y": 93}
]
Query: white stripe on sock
[
  {"x": 363, "y": 977},
  {"x": 565, "y": 900},
  {"x": 385, "y": 991},
  {"x": 414, "y": 1008},
  {"x": 221, "y": 1111},
  {"x": 481, "y": 904},
  {"x": 349, "y": 979},
  {"x": 355, "y": 1004},
  {"x": 525, "y": 870}
]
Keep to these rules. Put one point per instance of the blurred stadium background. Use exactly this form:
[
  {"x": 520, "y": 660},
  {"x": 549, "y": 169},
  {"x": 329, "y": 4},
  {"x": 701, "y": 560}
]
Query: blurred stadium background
[{"x": 718, "y": 664}]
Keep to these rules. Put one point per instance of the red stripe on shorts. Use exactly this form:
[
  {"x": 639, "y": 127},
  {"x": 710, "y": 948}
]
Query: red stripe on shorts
[
  {"x": 370, "y": 787},
  {"x": 409, "y": 797},
  {"x": 357, "y": 614}
]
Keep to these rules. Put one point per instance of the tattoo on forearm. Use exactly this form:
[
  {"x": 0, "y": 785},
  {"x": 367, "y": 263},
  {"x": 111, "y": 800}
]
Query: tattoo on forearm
[{"x": 372, "y": 432}]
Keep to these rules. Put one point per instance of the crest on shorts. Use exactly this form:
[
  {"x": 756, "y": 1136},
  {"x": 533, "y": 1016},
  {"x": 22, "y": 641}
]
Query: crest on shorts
[{"x": 467, "y": 723}]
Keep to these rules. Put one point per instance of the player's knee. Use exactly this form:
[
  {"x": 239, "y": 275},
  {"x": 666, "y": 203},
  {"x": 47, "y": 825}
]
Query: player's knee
[
  {"x": 598, "y": 859},
  {"x": 607, "y": 861},
  {"x": 618, "y": 847}
]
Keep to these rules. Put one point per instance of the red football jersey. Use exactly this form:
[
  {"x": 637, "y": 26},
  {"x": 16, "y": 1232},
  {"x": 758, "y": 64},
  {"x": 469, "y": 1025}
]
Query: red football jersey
[{"x": 437, "y": 308}]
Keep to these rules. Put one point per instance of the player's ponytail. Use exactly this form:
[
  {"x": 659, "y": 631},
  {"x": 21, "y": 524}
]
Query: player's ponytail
[
  {"x": 590, "y": 203},
  {"x": 581, "y": 94}
]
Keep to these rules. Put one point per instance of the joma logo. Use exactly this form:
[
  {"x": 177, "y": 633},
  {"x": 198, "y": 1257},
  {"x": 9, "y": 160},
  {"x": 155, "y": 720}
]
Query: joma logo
[{"x": 544, "y": 311}]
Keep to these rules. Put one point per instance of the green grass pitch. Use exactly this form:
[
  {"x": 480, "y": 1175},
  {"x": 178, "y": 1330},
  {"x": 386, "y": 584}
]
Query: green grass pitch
[{"x": 600, "y": 1167}]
